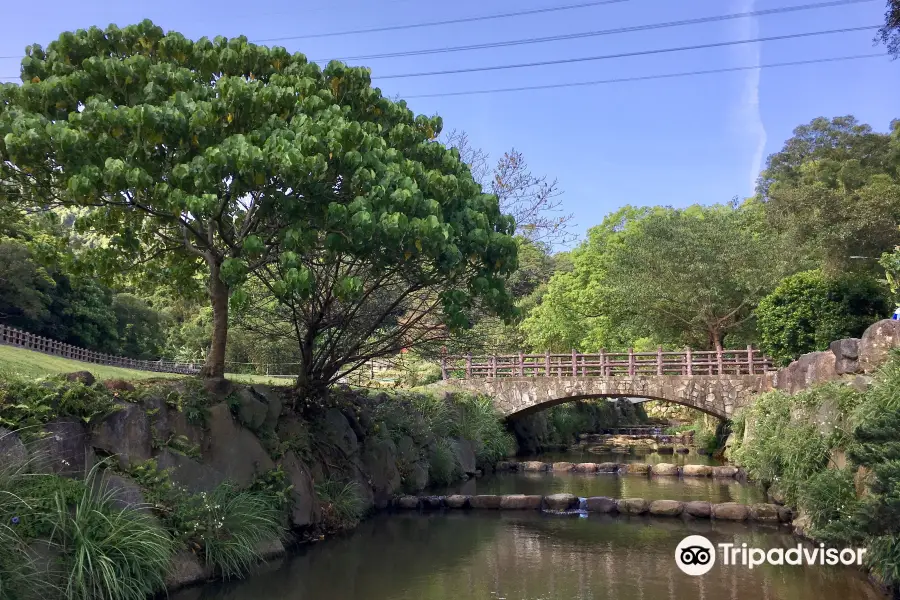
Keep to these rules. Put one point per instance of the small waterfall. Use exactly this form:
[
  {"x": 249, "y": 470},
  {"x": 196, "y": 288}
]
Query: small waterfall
[{"x": 582, "y": 503}]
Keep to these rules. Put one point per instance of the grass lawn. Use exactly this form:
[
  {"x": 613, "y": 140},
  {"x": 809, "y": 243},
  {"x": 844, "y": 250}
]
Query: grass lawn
[{"x": 28, "y": 363}]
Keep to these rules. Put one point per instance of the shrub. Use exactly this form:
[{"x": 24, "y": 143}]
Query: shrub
[
  {"x": 18, "y": 579},
  {"x": 342, "y": 505},
  {"x": 26, "y": 405},
  {"x": 443, "y": 466},
  {"x": 827, "y": 497}
]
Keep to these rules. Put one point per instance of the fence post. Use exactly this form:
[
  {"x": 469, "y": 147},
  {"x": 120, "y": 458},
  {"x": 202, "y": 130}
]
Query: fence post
[
  {"x": 574, "y": 364},
  {"x": 603, "y": 362},
  {"x": 659, "y": 360},
  {"x": 689, "y": 359},
  {"x": 750, "y": 358},
  {"x": 521, "y": 364},
  {"x": 631, "y": 362},
  {"x": 547, "y": 362},
  {"x": 719, "y": 356},
  {"x": 469, "y": 365},
  {"x": 493, "y": 366},
  {"x": 443, "y": 367}
]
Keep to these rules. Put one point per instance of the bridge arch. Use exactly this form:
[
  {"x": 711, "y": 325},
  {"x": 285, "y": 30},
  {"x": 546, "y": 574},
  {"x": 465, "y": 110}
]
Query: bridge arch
[{"x": 717, "y": 395}]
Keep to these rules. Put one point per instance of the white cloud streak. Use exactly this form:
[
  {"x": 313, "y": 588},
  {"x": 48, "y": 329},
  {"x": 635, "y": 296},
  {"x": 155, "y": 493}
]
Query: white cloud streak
[{"x": 751, "y": 123}]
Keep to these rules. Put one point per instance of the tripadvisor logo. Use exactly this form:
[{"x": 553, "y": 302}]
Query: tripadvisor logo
[{"x": 696, "y": 555}]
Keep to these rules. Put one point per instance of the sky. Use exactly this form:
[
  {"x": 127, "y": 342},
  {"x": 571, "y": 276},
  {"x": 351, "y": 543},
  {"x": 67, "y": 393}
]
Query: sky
[{"x": 665, "y": 141}]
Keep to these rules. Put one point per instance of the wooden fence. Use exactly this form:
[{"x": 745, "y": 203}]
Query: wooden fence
[
  {"x": 16, "y": 337},
  {"x": 606, "y": 364}
]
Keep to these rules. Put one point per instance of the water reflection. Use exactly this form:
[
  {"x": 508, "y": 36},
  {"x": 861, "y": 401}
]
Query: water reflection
[
  {"x": 528, "y": 556},
  {"x": 599, "y": 454},
  {"x": 614, "y": 486}
]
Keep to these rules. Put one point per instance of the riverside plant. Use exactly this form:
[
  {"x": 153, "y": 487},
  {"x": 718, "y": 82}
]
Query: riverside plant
[{"x": 342, "y": 505}]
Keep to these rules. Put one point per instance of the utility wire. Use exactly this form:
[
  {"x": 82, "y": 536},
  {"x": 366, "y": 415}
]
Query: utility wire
[
  {"x": 625, "y": 54},
  {"x": 587, "y": 34},
  {"x": 645, "y": 77},
  {"x": 521, "y": 13}
]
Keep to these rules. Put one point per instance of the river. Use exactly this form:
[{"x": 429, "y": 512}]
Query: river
[{"x": 533, "y": 556}]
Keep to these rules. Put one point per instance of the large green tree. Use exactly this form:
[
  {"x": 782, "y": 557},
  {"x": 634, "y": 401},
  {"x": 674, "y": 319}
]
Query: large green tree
[
  {"x": 889, "y": 35},
  {"x": 224, "y": 157}
]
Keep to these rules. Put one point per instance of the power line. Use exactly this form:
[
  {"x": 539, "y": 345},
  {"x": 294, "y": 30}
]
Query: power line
[
  {"x": 645, "y": 77},
  {"x": 625, "y": 54},
  {"x": 587, "y": 34},
  {"x": 521, "y": 13}
]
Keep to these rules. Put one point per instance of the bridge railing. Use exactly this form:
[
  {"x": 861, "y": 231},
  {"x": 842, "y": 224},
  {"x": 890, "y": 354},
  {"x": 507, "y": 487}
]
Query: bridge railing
[{"x": 604, "y": 364}]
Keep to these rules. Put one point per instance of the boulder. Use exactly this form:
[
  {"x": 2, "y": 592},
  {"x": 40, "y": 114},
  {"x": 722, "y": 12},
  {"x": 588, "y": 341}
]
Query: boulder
[
  {"x": 562, "y": 467},
  {"x": 340, "y": 433},
  {"x": 533, "y": 465},
  {"x": 767, "y": 513},
  {"x": 505, "y": 465},
  {"x": 305, "y": 509},
  {"x": 407, "y": 502},
  {"x": 666, "y": 508},
  {"x": 251, "y": 411},
  {"x": 785, "y": 515},
  {"x": 118, "y": 385},
  {"x": 63, "y": 450},
  {"x": 520, "y": 502},
  {"x": 457, "y": 501},
  {"x": 633, "y": 506},
  {"x": 601, "y": 504},
  {"x": 124, "y": 493},
  {"x": 608, "y": 467},
  {"x": 418, "y": 477},
  {"x": 664, "y": 469},
  {"x": 167, "y": 422},
  {"x": 775, "y": 494},
  {"x": 876, "y": 342},
  {"x": 682, "y": 449},
  {"x": 730, "y": 511},
  {"x": 431, "y": 502},
  {"x": 586, "y": 468},
  {"x": 699, "y": 509},
  {"x": 125, "y": 434},
  {"x": 666, "y": 450},
  {"x": 185, "y": 569},
  {"x": 85, "y": 377},
  {"x": 696, "y": 470},
  {"x": 560, "y": 502},
  {"x": 379, "y": 458},
  {"x": 637, "y": 468},
  {"x": 274, "y": 403},
  {"x": 723, "y": 472},
  {"x": 189, "y": 473},
  {"x": 270, "y": 548},
  {"x": 465, "y": 455},
  {"x": 12, "y": 450},
  {"x": 233, "y": 450},
  {"x": 485, "y": 501},
  {"x": 846, "y": 355}
]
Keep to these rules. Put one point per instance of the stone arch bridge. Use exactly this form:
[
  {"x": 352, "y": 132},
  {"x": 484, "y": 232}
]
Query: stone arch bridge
[{"x": 717, "y": 382}]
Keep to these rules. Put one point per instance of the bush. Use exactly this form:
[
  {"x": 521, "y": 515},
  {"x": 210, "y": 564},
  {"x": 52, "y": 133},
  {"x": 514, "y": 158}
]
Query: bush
[
  {"x": 26, "y": 405},
  {"x": 342, "y": 505},
  {"x": 443, "y": 466},
  {"x": 807, "y": 311}
]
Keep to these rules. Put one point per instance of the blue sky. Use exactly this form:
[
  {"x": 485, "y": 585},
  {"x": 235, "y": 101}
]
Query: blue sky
[{"x": 668, "y": 141}]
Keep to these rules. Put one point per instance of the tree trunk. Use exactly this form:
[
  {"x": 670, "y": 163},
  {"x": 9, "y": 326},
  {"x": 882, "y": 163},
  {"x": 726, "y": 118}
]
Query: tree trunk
[{"x": 218, "y": 297}]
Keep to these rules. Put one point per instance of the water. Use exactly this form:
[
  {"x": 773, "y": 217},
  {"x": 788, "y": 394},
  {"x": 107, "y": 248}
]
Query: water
[
  {"x": 529, "y": 556},
  {"x": 598, "y": 454},
  {"x": 614, "y": 486}
]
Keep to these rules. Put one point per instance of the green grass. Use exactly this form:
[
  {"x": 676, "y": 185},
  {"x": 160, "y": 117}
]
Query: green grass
[{"x": 31, "y": 364}]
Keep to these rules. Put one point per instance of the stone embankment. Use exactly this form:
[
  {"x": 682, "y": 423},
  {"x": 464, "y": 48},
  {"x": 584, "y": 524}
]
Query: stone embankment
[
  {"x": 568, "y": 503},
  {"x": 658, "y": 469}
]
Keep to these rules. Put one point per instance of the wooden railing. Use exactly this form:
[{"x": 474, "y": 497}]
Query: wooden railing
[
  {"x": 16, "y": 337},
  {"x": 606, "y": 364}
]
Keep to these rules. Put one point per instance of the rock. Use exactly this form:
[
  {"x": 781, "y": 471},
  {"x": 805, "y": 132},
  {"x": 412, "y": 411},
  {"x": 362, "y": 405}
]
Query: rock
[
  {"x": 586, "y": 468},
  {"x": 340, "y": 433},
  {"x": 701, "y": 510},
  {"x": 118, "y": 385},
  {"x": 274, "y": 403},
  {"x": 431, "y": 502},
  {"x": 189, "y": 473},
  {"x": 185, "y": 569},
  {"x": 418, "y": 477},
  {"x": 85, "y": 377},
  {"x": 846, "y": 355},
  {"x": 696, "y": 470},
  {"x": 407, "y": 502},
  {"x": 305, "y": 509},
  {"x": 785, "y": 515},
  {"x": 730, "y": 511},
  {"x": 270, "y": 548},
  {"x": 12, "y": 451},
  {"x": 379, "y": 457},
  {"x": 876, "y": 342},
  {"x": 682, "y": 449},
  {"x": 601, "y": 504},
  {"x": 802, "y": 524},
  {"x": 633, "y": 506},
  {"x": 63, "y": 450},
  {"x": 218, "y": 387},
  {"x": 457, "y": 501},
  {"x": 767, "y": 513},
  {"x": 637, "y": 468},
  {"x": 520, "y": 502},
  {"x": 562, "y": 467},
  {"x": 479, "y": 473},
  {"x": 534, "y": 465},
  {"x": 234, "y": 451},
  {"x": 724, "y": 471},
  {"x": 125, "y": 434},
  {"x": 664, "y": 469},
  {"x": 465, "y": 455},
  {"x": 560, "y": 502},
  {"x": 124, "y": 493},
  {"x": 485, "y": 501},
  {"x": 666, "y": 450},
  {"x": 775, "y": 495},
  {"x": 504, "y": 465},
  {"x": 608, "y": 467},
  {"x": 251, "y": 411},
  {"x": 666, "y": 508}
]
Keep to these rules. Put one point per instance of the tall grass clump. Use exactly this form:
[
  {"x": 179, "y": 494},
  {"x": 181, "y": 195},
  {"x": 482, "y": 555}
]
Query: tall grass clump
[
  {"x": 478, "y": 421},
  {"x": 342, "y": 505},
  {"x": 18, "y": 576},
  {"x": 107, "y": 553},
  {"x": 443, "y": 466}
]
